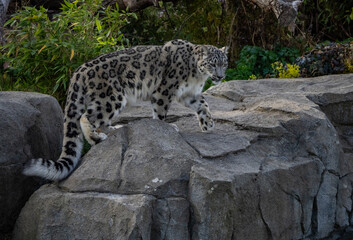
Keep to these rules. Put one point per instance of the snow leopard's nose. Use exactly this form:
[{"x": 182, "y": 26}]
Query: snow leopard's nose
[
  {"x": 220, "y": 78},
  {"x": 217, "y": 79}
]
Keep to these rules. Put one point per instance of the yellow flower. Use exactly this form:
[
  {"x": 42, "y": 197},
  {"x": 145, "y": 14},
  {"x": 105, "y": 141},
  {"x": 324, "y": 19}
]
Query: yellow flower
[
  {"x": 252, "y": 77},
  {"x": 287, "y": 71}
]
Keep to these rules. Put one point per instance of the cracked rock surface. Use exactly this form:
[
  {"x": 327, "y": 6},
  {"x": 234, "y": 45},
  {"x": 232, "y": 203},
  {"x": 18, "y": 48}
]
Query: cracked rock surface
[{"x": 278, "y": 165}]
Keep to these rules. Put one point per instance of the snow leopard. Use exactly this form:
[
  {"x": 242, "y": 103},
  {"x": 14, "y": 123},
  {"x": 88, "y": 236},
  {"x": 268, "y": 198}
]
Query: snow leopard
[{"x": 100, "y": 89}]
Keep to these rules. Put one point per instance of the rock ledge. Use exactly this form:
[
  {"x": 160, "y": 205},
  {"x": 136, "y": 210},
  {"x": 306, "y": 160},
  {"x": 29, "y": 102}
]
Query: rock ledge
[{"x": 279, "y": 165}]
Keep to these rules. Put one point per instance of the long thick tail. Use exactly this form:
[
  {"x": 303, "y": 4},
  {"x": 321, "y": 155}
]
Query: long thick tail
[{"x": 72, "y": 143}]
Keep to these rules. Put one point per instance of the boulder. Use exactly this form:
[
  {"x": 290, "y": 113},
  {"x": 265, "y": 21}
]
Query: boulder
[
  {"x": 30, "y": 126},
  {"x": 151, "y": 145},
  {"x": 278, "y": 165},
  {"x": 86, "y": 215}
]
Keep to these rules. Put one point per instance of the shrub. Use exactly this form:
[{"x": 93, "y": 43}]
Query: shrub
[
  {"x": 286, "y": 71},
  {"x": 43, "y": 52},
  {"x": 256, "y": 61},
  {"x": 324, "y": 59},
  {"x": 252, "y": 77}
]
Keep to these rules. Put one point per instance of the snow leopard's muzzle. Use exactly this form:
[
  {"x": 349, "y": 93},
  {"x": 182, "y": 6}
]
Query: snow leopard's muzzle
[{"x": 217, "y": 79}]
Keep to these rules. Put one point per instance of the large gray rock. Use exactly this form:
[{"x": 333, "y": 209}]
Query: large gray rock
[
  {"x": 151, "y": 145},
  {"x": 279, "y": 165},
  {"x": 30, "y": 126},
  {"x": 84, "y": 216}
]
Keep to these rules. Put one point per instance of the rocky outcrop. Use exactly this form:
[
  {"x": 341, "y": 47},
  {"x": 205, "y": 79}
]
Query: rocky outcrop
[
  {"x": 277, "y": 166},
  {"x": 30, "y": 126}
]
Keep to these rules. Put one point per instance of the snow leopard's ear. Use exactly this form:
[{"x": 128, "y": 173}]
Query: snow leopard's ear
[{"x": 225, "y": 49}]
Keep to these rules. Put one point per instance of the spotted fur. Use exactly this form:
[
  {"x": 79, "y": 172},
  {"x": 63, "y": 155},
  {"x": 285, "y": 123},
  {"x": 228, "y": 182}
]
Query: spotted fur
[{"x": 101, "y": 88}]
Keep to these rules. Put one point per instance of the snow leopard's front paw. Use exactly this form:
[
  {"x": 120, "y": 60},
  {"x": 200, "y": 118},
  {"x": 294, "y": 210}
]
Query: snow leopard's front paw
[
  {"x": 96, "y": 137},
  {"x": 205, "y": 120}
]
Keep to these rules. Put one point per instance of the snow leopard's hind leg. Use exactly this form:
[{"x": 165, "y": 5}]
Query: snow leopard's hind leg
[
  {"x": 98, "y": 115},
  {"x": 162, "y": 98},
  {"x": 91, "y": 133}
]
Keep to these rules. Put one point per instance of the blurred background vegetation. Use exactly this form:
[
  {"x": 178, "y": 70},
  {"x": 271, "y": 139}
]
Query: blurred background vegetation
[{"x": 45, "y": 46}]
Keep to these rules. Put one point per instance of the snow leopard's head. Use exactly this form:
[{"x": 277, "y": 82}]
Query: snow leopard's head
[{"x": 214, "y": 63}]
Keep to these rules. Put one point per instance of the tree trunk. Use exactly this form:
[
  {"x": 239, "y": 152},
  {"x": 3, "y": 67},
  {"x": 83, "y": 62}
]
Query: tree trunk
[
  {"x": 134, "y": 5},
  {"x": 285, "y": 10},
  {"x": 4, "y": 4}
]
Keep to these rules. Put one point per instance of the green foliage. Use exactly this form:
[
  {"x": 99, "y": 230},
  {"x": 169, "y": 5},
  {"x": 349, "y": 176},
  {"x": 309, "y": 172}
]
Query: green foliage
[
  {"x": 256, "y": 61},
  {"x": 326, "y": 19},
  {"x": 157, "y": 25},
  {"x": 86, "y": 147},
  {"x": 208, "y": 84},
  {"x": 241, "y": 23},
  {"x": 43, "y": 53},
  {"x": 220, "y": 23}
]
